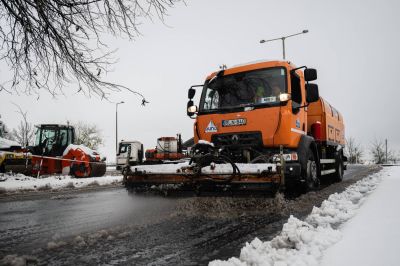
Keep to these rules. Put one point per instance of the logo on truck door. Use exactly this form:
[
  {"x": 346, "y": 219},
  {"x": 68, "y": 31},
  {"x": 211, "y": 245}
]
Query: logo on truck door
[
  {"x": 211, "y": 127},
  {"x": 234, "y": 122}
]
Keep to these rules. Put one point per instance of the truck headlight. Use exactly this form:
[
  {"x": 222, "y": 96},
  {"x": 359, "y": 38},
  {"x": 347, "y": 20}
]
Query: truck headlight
[
  {"x": 286, "y": 156},
  {"x": 284, "y": 97}
]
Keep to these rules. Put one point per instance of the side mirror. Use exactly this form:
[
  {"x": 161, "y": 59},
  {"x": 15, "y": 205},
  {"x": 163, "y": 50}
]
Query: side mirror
[
  {"x": 312, "y": 92},
  {"x": 191, "y": 109},
  {"x": 191, "y": 93},
  {"x": 310, "y": 74}
]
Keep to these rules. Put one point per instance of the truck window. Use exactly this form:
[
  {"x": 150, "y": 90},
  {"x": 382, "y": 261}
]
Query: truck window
[
  {"x": 212, "y": 99},
  {"x": 256, "y": 87},
  {"x": 296, "y": 91},
  {"x": 123, "y": 147}
]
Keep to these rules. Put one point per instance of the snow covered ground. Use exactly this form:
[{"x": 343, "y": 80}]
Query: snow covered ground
[
  {"x": 12, "y": 183},
  {"x": 372, "y": 236},
  {"x": 328, "y": 236}
]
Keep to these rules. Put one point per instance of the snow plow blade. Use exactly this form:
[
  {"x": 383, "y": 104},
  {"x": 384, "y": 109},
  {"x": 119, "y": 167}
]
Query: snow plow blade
[{"x": 251, "y": 176}]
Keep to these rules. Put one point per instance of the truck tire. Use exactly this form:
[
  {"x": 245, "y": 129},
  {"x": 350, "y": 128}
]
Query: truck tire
[
  {"x": 339, "y": 167},
  {"x": 310, "y": 173}
]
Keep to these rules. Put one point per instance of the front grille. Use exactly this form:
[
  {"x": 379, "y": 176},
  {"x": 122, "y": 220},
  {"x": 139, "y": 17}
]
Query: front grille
[{"x": 252, "y": 139}]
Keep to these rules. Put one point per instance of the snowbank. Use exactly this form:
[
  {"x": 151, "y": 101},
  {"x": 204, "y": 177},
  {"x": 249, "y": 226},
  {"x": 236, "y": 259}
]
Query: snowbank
[
  {"x": 6, "y": 143},
  {"x": 303, "y": 242},
  {"x": 372, "y": 236},
  {"x": 11, "y": 183}
]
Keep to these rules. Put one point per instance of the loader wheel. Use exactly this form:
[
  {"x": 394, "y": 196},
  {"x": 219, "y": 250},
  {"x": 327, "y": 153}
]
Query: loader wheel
[
  {"x": 98, "y": 169},
  {"x": 311, "y": 173}
]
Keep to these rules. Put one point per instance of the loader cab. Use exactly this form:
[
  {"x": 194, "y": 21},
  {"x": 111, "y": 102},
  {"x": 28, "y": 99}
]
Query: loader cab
[{"x": 52, "y": 139}]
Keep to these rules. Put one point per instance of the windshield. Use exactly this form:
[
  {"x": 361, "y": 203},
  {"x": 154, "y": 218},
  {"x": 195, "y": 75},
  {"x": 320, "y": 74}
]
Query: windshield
[
  {"x": 258, "y": 87},
  {"x": 123, "y": 147},
  {"x": 47, "y": 137}
]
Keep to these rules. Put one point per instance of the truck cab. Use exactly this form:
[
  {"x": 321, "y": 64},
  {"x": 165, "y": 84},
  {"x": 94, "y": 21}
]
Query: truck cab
[
  {"x": 136, "y": 153},
  {"x": 259, "y": 106}
]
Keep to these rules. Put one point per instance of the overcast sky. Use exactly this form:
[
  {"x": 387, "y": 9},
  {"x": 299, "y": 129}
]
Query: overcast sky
[{"x": 354, "y": 45}]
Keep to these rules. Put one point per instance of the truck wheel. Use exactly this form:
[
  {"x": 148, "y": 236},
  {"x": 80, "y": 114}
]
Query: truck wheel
[
  {"x": 338, "y": 175},
  {"x": 311, "y": 173}
]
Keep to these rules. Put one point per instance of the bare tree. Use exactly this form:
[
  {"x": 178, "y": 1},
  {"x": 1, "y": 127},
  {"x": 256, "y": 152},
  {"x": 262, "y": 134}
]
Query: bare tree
[
  {"x": 3, "y": 129},
  {"x": 88, "y": 135},
  {"x": 24, "y": 134},
  {"x": 378, "y": 151},
  {"x": 48, "y": 43},
  {"x": 353, "y": 150}
]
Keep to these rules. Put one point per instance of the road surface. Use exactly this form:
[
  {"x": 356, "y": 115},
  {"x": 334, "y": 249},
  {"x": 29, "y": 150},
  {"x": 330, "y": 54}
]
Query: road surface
[{"x": 112, "y": 226}]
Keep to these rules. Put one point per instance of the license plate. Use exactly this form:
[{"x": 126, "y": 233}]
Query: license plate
[{"x": 234, "y": 122}]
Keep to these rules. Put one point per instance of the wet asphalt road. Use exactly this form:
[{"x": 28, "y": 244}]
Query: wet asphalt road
[{"x": 114, "y": 227}]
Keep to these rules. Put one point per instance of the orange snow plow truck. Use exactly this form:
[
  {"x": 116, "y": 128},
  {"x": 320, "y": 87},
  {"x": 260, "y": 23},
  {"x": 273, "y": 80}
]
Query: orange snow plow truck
[{"x": 257, "y": 125}]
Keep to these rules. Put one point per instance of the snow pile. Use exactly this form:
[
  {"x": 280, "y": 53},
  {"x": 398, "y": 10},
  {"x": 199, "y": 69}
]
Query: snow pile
[
  {"x": 6, "y": 143},
  {"x": 217, "y": 168},
  {"x": 205, "y": 142},
  {"x": 160, "y": 168},
  {"x": 243, "y": 167},
  {"x": 303, "y": 242},
  {"x": 374, "y": 230},
  {"x": 85, "y": 149},
  {"x": 20, "y": 182}
]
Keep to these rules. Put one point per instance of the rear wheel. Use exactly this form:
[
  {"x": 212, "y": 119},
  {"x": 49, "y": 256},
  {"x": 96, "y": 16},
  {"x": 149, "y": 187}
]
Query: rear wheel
[
  {"x": 310, "y": 174},
  {"x": 338, "y": 175}
]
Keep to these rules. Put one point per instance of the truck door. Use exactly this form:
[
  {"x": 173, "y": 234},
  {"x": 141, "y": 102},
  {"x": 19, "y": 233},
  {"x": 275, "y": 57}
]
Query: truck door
[{"x": 298, "y": 125}]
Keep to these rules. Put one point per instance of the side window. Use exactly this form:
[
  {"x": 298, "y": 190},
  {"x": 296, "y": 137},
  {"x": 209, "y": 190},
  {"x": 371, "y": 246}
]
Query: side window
[
  {"x": 212, "y": 99},
  {"x": 63, "y": 137},
  {"x": 123, "y": 148},
  {"x": 70, "y": 136},
  {"x": 37, "y": 134},
  {"x": 296, "y": 92}
]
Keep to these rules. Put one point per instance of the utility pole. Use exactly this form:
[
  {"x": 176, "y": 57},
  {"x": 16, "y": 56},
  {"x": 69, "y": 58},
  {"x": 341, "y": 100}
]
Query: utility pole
[
  {"x": 386, "y": 151},
  {"x": 283, "y": 41},
  {"x": 116, "y": 126}
]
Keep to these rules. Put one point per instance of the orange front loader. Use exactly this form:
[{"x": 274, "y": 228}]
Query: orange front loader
[{"x": 266, "y": 116}]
